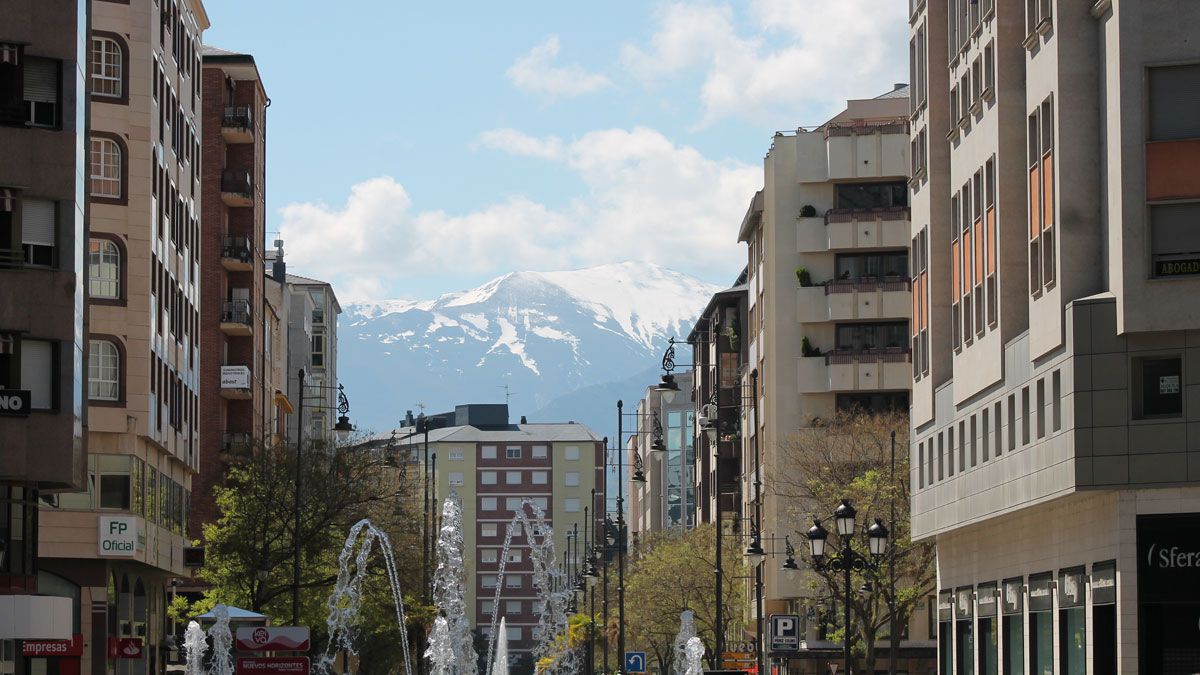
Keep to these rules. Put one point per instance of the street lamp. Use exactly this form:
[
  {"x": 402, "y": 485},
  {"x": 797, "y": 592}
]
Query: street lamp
[
  {"x": 667, "y": 386},
  {"x": 847, "y": 560},
  {"x": 790, "y": 565},
  {"x": 754, "y": 552}
]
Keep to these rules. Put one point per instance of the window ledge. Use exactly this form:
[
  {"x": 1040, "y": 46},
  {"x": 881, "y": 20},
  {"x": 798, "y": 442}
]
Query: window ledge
[
  {"x": 953, "y": 134},
  {"x": 964, "y": 122},
  {"x": 1030, "y": 41},
  {"x": 953, "y": 61},
  {"x": 978, "y": 29},
  {"x": 988, "y": 94},
  {"x": 1101, "y": 8},
  {"x": 976, "y": 107},
  {"x": 1045, "y": 25},
  {"x": 991, "y": 13}
]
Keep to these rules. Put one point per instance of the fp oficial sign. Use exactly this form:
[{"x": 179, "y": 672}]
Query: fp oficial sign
[{"x": 118, "y": 536}]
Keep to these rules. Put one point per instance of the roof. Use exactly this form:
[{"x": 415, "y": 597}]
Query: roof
[
  {"x": 555, "y": 432},
  {"x": 752, "y": 218},
  {"x": 210, "y": 50},
  {"x": 900, "y": 91},
  {"x": 236, "y": 65},
  {"x": 731, "y": 292},
  {"x": 297, "y": 280}
]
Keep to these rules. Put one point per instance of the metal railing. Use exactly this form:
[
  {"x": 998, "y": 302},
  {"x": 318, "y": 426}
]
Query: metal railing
[
  {"x": 236, "y": 182},
  {"x": 874, "y": 355},
  {"x": 884, "y": 283},
  {"x": 236, "y": 311},
  {"x": 238, "y": 117},
  {"x": 237, "y": 247},
  {"x": 895, "y": 125},
  {"x": 879, "y": 213},
  {"x": 235, "y": 442},
  {"x": 12, "y": 258}
]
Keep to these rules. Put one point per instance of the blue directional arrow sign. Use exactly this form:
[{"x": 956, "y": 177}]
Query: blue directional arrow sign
[{"x": 635, "y": 662}]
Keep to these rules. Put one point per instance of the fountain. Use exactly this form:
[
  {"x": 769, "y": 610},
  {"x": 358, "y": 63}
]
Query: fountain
[
  {"x": 500, "y": 667},
  {"x": 222, "y": 642},
  {"x": 694, "y": 652},
  {"x": 194, "y": 646},
  {"x": 451, "y": 647},
  {"x": 345, "y": 602},
  {"x": 687, "y": 631}
]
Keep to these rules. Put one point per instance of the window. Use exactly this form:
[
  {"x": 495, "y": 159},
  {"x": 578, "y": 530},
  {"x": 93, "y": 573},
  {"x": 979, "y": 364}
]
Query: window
[
  {"x": 866, "y": 265},
  {"x": 456, "y": 479},
  {"x": 114, "y": 481},
  {"x": 1040, "y": 137},
  {"x": 512, "y": 606},
  {"x": 104, "y": 269},
  {"x": 512, "y": 503},
  {"x": 512, "y": 581},
  {"x": 1173, "y": 97},
  {"x": 488, "y": 580},
  {"x": 104, "y": 371},
  {"x": 41, "y": 91},
  {"x": 514, "y": 555},
  {"x": 487, "y": 478},
  {"x": 1157, "y": 386},
  {"x": 512, "y": 452},
  {"x": 571, "y": 452},
  {"x": 512, "y": 477},
  {"x": 487, "y": 504},
  {"x": 107, "y": 67},
  {"x": 318, "y": 349},
  {"x": 1175, "y": 239},
  {"x": 571, "y": 505},
  {"x": 487, "y": 608},
  {"x": 862, "y": 336},
  {"x": 37, "y": 372},
  {"x": 976, "y": 81},
  {"x": 879, "y": 402},
  {"x": 456, "y": 454},
  {"x": 106, "y": 168},
  {"x": 1041, "y": 408},
  {"x": 871, "y": 195},
  {"x": 514, "y": 632},
  {"x": 989, "y": 72},
  {"x": 571, "y": 479},
  {"x": 539, "y": 452},
  {"x": 488, "y": 452},
  {"x": 540, "y": 477},
  {"x": 487, "y": 530},
  {"x": 37, "y": 231}
]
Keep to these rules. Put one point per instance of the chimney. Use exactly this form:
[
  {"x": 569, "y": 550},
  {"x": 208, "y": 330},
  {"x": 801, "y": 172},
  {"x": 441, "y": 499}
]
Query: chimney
[
  {"x": 523, "y": 420},
  {"x": 899, "y": 85},
  {"x": 279, "y": 267},
  {"x": 408, "y": 419}
]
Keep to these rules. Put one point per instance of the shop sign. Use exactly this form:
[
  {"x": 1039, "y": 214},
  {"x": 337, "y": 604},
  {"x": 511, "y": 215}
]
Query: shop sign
[
  {"x": 118, "y": 536},
  {"x": 1176, "y": 267},
  {"x": 985, "y": 594},
  {"x": 235, "y": 377},
  {"x": 1104, "y": 583},
  {"x": 1041, "y": 598},
  {"x": 946, "y": 606},
  {"x": 44, "y": 648},
  {"x": 272, "y": 665},
  {"x": 276, "y": 639},
  {"x": 124, "y": 648},
  {"x": 964, "y": 604},
  {"x": 15, "y": 402},
  {"x": 1168, "y": 558},
  {"x": 1013, "y": 600},
  {"x": 1070, "y": 587}
]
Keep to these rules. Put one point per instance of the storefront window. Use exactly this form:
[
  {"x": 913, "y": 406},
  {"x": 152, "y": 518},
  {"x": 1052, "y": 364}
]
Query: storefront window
[
  {"x": 964, "y": 630},
  {"x": 1013, "y": 606},
  {"x": 1104, "y": 618},
  {"x": 18, "y": 529},
  {"x": 1041, "y": 625},
  {"x": 988, "y": 640},
  {"x": 945, "y": 638},
  {"x": 1072, "y": 622}
]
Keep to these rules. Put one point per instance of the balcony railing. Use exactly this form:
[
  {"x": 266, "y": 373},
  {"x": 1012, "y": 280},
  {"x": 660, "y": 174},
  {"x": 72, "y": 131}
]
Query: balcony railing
[
  {"x": 239, "y": 248},
  {"x": 238, "y": 117},
  {"x": 235, "y": 442},
  {"x": 885, "y": 283},
  {"x": 236, "y": 311},
  {"x": 236, "y": 182},
  {"x": 877, "y": 355},
  {"x": 895, "y": 125},
  {"x": 11, "y": 258},
  {"x": 881, "y": 213}
]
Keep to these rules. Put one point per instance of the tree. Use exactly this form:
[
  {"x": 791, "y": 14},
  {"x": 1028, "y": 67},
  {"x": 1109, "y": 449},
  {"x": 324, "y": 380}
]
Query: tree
[
  {"x": 670, "y": 572},
  {"x": 249, "y": 550},
  {"x": 849, "y": 457}
]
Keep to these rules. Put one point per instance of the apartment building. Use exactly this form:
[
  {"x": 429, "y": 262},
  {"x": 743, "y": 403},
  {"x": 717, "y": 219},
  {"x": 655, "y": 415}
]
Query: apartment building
[
  {"x": 665, "y": 441},
  {"x": 720, "y": 356},
  {"x": 237, "y": 326},
  {"x": 492, "y": 465},
  {"x": 1055, "y": 263},
  {"x": 312, "y": 312},
  {"x": 121, "y": 541},
  {"x": 43, "y": 320},
  {"x": 828, "y": 300}
]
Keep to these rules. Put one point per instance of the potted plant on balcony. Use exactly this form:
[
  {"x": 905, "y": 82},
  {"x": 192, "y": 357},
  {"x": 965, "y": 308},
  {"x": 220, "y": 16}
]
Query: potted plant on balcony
[
  {"x": 731, "y": 334},
  {"x": 803, "y": 277},
  {"x": 808, "y": 211},
  {"x": 806, "y": 348}
]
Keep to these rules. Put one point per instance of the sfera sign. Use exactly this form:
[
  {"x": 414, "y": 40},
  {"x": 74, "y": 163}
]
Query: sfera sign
[
  {"x": 118, "y": 536},
  {"x": 1168, "y": 558}
]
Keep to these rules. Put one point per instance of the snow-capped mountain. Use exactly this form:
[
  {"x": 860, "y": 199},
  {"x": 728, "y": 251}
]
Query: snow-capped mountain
[{"x": 542, "y": 335}]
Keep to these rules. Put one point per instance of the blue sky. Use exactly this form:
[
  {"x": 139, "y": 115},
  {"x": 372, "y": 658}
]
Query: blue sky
[{"x": 419, "y": 148}]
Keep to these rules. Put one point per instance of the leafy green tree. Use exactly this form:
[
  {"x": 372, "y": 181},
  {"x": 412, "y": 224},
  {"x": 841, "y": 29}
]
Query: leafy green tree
[{"x": 850, "y": 457}]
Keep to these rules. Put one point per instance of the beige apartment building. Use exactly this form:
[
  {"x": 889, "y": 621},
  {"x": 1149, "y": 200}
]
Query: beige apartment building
[
  {"x": 828, "y": 307},
  {"x": 492, "y": 465},
  {"x": 122, "y": 540},
  {"x": 1055, "y": 263}
]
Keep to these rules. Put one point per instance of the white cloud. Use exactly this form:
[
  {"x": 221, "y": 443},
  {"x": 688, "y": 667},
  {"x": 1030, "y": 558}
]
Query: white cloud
[
  {"x": 517, "y": 142},
  {"x": 646, "y": 198},
  {"x": 536, "y": 73},
  {"x": 796, "y": 57}
]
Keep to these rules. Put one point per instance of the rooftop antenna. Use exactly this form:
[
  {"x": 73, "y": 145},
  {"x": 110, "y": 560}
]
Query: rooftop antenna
[
  {"x": 421, "y": 408},
  {"x": 507, "y": 394}
]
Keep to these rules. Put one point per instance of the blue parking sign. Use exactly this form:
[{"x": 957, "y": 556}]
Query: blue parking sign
[{"x": 635, "y": 662}]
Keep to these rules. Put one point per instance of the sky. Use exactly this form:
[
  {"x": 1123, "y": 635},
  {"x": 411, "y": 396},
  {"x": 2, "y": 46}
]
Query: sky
[{"x": 417, "y": 148}]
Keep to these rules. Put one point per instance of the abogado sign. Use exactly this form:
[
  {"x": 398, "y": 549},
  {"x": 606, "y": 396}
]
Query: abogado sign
[{"x": 118, "y": 536}]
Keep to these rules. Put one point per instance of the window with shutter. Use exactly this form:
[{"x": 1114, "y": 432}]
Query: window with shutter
[
  {"x": 37, "y": 365},
  {"x": 37, "y": 231},
  {"x": 41, "y": 91}
]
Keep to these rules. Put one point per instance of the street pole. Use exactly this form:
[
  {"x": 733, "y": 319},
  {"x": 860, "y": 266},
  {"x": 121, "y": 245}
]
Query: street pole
[
  {"x": 620, "y": 541},
  {"x": 296, "y": 505},
  {"x": 847, "y": 557},
  {"x": 604, "y": 561},
  {"x": 894, "y": 637},
  {"x": 719, "y": 627},
  {"x": 421, "y": 422},
  {"x": 587, "y": 588},
  {"x": 758, "y": 581}
]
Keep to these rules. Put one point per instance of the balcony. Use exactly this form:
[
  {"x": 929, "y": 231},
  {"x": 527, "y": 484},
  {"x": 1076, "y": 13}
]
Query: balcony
[
  {"x": 235, "y": 443},
  {"x": 237, "y": 124},
  {"x": 237, "y": 254},
  {"x": 235, "y": 382},
  {"x": 848, "y": 299},
  {"x": 236, "y": 189},
  {"x": 235, "y": 318},
  {"x": 849, "y": 229},
  {"x": 867, "y": 149},
  {"x": 865, "y": 370}
]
